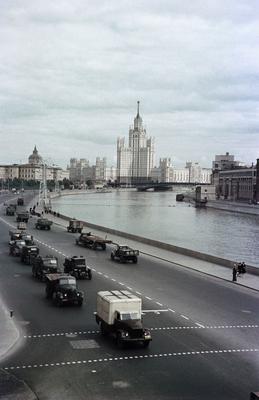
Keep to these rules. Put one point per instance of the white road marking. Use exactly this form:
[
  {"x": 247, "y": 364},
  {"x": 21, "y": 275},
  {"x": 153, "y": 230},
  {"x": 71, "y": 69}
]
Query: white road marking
[
  {"x": 170, "y": 309},
  {"x": 184, "y": 316},
  {"x": 148, "y": 298},
  {"x": 135, "y": 357},
  {"x": 200, "y": 325},
  {"x": 159, "y": 304}
]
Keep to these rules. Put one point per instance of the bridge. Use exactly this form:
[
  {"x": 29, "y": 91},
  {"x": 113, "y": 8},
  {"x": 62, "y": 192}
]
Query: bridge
[{"x": 162, "y": 186}]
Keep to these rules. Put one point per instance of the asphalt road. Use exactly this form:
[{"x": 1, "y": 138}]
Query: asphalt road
[{"x": 205, "y": 331}]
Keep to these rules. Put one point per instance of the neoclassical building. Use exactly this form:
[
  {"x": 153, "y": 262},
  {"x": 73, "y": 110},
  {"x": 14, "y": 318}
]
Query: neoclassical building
[
  {"x": 33, "y": 170},
  {"x": 135, "y": 161}
]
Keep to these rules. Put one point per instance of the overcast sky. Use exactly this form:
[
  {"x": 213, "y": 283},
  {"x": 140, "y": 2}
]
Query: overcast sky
[{"x": 71, "y": 73}]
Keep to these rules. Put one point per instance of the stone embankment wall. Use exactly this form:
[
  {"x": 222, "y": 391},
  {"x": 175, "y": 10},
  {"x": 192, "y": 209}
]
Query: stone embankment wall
[{"x": 169, "y": 247}]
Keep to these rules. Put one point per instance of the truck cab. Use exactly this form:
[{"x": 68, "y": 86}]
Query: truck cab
[
  {"x": 62, "y": 289},
  {"x": 41, "y": 266},
  {"x": 15, "y": 247},
  {"x": 27, "y": 238},
  {"x": 28, "y": 253},
  {"x": 76, "y": 266},
  {"x": 22, "y": 216}
]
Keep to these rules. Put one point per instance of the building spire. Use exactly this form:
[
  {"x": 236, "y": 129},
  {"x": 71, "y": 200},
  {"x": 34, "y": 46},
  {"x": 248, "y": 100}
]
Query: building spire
[{"x": 138, "y": 109}]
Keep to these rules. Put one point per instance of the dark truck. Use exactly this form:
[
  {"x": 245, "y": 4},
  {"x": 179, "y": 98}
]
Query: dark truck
[
  {"x": 75, "y": 226},
  {"x": 15, "y": 247},
  {"x": 61, "y": 288},
  {"x": 124, "y": 254},
  {"x": 28, "y": 253},
  {"x": 22, "y": 216},
  {"x": 10, "y": 210},
  {"x": 76, "y": 266},
  {"x": 20, "y": 201},
  {"x": 119, "y": 314},
  {"x": 43, "y": 223},
  {"x": 92, "y": 241},
  {"x": 41, "y": 266}
]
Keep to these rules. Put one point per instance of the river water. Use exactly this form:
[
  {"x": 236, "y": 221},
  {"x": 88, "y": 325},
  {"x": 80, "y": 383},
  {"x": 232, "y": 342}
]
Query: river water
[{"x": 158, "y": 216}]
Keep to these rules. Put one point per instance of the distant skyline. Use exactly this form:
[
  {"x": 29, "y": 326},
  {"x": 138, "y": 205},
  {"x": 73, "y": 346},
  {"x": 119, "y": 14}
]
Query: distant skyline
[{"x": 71, "y": 74}]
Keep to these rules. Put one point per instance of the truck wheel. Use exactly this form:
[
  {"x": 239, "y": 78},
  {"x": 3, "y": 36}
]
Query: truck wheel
[
  {"x": 102, "y": 329},
  {"x": 94, "y": 246},
  {"x": 112, "y": 256},
  {"x": 89, "y": 275},
  {"x": 33, "y": 273},
  {"x": 48, "y": 228},
  {"x": 103, "y": 246},
  {"x": 135, "y": 260},
  {"x": 146, "y": 344},
  {"x": 80, "y": 303},
  {"x": 122, "y": 260},
  {"x": 119, "y": 340}
]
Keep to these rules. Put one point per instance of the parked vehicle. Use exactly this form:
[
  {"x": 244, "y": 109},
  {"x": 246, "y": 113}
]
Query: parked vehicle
[
  {"x": 15, "y": 247},
  {"x": 43, "y": 223},
  {"x": 75, "y": 226},
  {"x": 92, "y": 241},
  {"x": 20, "y": 201},
  {"x": 28, "y": 253},
  {"x": 43, "y": 265},
  {"x": 119, "y": 314},
  {"x": 125, "y": 254},
  {"x": 22, "y": 216},
  {"x": 76, "y": 266},
  {"x": 10, "y": 209},
  {"x": 61, "y": 288}
]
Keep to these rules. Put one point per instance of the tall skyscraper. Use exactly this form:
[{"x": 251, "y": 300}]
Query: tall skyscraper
[{"x": 134, "y": 163}]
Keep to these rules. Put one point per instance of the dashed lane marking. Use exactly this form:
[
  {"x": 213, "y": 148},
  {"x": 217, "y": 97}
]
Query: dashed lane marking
[
  {"x": 148, "y": 298},
  {"x": 163, "y": 328},
  {"x": 184, "y": 316},
  {"x": 159, "y": 304},
  {"x": 133, "y": 357}
]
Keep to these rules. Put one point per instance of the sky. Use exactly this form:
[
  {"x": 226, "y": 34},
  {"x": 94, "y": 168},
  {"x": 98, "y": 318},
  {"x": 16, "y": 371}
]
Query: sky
[{"x": 71, "y": 73}]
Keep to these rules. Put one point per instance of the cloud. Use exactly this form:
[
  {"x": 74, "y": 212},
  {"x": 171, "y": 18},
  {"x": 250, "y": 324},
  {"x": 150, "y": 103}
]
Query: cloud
[{"x": 71, "y": 73}]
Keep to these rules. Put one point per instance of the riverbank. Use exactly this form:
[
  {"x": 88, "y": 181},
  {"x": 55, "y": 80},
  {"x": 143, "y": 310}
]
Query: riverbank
[{"x": 233, "y": 206}]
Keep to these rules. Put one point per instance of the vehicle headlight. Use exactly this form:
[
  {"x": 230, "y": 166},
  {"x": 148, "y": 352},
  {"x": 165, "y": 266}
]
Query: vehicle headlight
[
  {"x": 60, "y": 295},
  {"x": 124, "y": 334},
  {"x": 146, "y": 333},
  {"x": 65, "y": 295}
]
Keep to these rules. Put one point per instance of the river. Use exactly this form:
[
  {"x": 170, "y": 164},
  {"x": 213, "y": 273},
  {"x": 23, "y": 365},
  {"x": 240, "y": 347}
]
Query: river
[{"x": 157, "y": 215}]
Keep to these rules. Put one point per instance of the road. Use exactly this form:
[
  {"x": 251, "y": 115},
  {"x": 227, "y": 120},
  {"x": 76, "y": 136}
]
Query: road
[{"x": 205, "y": 331}]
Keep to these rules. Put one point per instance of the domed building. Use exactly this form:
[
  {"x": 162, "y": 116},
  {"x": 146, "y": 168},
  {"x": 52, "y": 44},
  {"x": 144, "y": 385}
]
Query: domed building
[{"x": 35, "y": 158}]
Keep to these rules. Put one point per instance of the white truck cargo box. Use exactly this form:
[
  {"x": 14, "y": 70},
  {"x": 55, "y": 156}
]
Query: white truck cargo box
[{"x": 110, "y": 302}]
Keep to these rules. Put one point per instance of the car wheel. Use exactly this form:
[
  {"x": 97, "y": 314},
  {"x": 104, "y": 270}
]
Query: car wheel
[{"x": 112, "y": 256}]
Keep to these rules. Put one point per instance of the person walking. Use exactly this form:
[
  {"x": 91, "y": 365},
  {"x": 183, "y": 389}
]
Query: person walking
[{"x": 234, "y": 273}]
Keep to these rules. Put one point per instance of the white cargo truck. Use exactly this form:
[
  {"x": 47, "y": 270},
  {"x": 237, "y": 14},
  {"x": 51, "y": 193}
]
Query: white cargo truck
[{"x": 119, "y": 314}]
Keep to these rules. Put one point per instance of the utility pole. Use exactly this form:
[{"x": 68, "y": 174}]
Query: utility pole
[{"x": 44, "y": 199}]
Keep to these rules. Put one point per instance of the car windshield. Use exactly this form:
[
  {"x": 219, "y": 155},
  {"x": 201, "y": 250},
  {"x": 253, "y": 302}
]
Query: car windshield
[
  {"x": 50, "y": 263},
  {"x": 67, "y": 281},
  {"x": 80, "y": 262},
  {"x": 127, "y": 316}
]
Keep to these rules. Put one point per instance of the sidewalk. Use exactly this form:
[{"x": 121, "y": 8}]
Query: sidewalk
[{"x": 247, "y": 280}]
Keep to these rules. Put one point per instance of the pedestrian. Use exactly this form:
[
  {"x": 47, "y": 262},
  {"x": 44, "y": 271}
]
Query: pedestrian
[
  {"x": 234, "y": 273},
  {"x": 243, "y": 266},
  {"x": 239, "y": 268}
]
